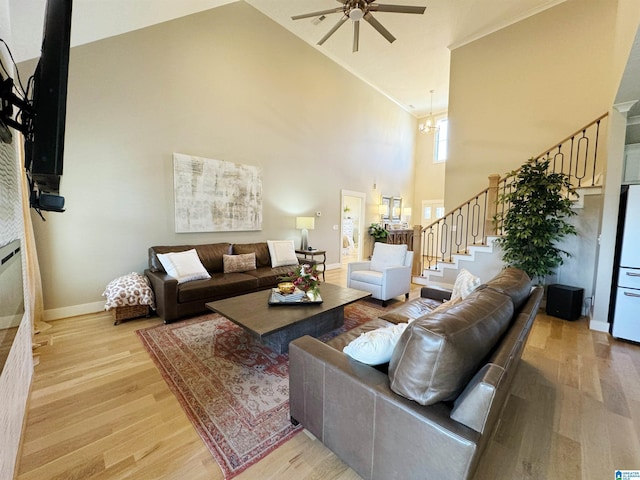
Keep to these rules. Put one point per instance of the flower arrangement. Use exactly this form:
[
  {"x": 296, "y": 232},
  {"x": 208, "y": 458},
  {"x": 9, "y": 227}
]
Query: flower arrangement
[
  {"x": 377, "y": 231},
  {"x": 304, "y": 277}
]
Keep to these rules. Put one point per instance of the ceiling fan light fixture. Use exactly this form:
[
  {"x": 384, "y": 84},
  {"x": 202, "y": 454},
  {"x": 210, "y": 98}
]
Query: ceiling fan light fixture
[
  {"x": 357, "y": 10},
  {"x": 356, "y": 14}
]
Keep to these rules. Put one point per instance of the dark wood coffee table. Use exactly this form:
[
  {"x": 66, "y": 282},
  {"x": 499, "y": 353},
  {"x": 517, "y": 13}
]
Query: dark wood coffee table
[{"x": 277, "y": 325}]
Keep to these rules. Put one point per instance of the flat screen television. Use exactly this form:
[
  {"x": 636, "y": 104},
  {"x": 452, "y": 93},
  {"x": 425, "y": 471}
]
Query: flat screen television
[{"x": 44, "y": 139}]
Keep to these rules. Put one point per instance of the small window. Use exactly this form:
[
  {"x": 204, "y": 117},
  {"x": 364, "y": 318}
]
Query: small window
[
  {"x": 439, "y": 212},
  {"x": 442, "y": 139}
]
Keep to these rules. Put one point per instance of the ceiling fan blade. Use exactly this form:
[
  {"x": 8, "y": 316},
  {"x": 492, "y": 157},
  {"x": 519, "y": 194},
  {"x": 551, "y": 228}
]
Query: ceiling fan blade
[
  {"x": 378, "y": 26},
  {"x": 333, "y": 30},
  {"x": 317, "y": 14},
  {"x": 376, "y": 7},
  {"x": 356, "y": 35}
]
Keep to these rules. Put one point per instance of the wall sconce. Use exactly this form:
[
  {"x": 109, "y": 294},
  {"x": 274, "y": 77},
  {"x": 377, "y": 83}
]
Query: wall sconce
[{"x": 305, "y": 224}]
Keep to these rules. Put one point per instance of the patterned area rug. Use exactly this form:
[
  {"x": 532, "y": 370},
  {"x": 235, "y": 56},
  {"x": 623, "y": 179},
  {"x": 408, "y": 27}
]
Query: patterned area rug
[{"x": 234, "y": 390}]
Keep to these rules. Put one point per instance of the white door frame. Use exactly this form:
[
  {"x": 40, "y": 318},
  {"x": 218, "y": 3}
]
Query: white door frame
[{"x": 363, "y": 203}]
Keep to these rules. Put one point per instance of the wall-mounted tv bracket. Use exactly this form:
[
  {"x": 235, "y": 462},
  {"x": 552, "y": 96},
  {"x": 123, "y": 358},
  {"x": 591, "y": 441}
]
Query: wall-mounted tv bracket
[{"x": 8, "y": 100}]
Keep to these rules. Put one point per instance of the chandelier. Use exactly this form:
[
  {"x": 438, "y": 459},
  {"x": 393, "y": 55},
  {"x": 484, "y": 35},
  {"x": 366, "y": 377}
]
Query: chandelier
[{"x": 430, "y": 125}]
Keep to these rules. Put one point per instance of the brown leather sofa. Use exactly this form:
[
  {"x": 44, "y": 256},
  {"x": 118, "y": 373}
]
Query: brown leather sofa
[
  {"x": 175, "y": 301},
  {"x": 430, "y": 412}
]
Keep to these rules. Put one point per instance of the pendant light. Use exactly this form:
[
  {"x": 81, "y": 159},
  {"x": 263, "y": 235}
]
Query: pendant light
[{"x": 430, "y": 125}]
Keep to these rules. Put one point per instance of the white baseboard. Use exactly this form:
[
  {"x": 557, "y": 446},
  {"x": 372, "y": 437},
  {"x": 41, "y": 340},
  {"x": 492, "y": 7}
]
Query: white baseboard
[
  {"x": 599, "y": 326},
  {"x": 333, "y": 266},
  {"x": 72, "y": 311}
]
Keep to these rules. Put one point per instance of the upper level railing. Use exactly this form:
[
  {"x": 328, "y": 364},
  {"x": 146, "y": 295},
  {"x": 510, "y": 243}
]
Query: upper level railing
[{"x": 472, "y": 221}]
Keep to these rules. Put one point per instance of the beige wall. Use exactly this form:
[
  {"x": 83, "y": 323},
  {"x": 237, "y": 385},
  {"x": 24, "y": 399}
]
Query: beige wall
[
  {"x": 429, "y": 177},
  {"x": 227, "y": 84},
  {"x": 516, "y": 92},
  {"x": 15, "y": 376}
]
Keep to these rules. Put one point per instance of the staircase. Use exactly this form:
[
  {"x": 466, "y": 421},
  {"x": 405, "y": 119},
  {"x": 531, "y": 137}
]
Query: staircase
[{"x": 464, "y": 237}]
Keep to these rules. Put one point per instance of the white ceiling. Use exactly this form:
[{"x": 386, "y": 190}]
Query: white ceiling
[{"x": 405, "y": 71}]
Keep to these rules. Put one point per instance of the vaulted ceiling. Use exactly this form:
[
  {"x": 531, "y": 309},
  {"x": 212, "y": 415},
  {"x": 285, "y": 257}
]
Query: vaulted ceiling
[{"x": 405, "y": 70}]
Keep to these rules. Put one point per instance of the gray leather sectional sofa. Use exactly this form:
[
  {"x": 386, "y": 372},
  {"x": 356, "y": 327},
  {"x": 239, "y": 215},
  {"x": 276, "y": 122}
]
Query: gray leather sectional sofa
[{"x": 431, "y": 411}]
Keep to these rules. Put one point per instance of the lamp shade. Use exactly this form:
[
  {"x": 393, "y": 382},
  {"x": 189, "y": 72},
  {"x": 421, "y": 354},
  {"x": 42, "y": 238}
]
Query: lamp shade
[
  {"x": 383, "y": 209},
  {"x": 406, "y": 211},
  {"x": 305, "y": 223}
]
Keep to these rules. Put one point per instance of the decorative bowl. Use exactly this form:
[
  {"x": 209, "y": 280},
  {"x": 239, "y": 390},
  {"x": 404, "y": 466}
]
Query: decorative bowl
[{"x": 286, "y": 287}]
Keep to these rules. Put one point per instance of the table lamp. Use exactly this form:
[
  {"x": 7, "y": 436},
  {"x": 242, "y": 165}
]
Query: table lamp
[
  {"x": 305, "y": 224},
  {"x": 383, "y": 210},
  {"x": 407, "y": 213}
]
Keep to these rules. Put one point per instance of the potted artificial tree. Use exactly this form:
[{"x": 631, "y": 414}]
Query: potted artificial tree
[{"x": 539, "y": 207}]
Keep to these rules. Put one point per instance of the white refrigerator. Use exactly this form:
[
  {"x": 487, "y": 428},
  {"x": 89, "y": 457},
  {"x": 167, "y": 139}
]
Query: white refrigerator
[{"x": 626, "y": 320}]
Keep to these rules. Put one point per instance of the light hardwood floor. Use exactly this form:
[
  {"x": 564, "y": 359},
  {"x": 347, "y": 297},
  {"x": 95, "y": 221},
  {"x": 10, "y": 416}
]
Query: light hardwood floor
[{"x": 99, "y": 409}]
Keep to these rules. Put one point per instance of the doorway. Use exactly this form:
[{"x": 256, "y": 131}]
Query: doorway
[
  {"x": 432, "y": 210},
  {"x": 352, "y": 212}
]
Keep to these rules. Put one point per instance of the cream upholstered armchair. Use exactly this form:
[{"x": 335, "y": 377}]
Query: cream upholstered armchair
[{"x": 386, "y": 275}]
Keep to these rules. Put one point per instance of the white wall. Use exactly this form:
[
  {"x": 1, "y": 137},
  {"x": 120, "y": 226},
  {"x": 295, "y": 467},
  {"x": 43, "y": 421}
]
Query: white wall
[
  {"x": 106, "y": 15},
  {"x": 228, "y": 84}
]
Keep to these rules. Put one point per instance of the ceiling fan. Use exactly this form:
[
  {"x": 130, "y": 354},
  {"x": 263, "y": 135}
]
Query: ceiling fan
[{"x": 356, "y": 10}]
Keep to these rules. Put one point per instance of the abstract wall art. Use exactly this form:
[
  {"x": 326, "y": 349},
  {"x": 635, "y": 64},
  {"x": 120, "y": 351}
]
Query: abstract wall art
[{"x": 215, "y": 195}]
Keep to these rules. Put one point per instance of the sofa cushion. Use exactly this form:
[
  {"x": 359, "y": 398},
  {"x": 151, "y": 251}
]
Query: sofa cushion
[
  {"x": 387, "y": 255},
  {"x": 269, "y": 277},
  {"x": 513, "y": 282},
  {"x": 282, "y": 252},
  {"x": 376, "y": 346},
  {"x": 368, "y": 276},
  {"x": 440, "y": 352},
  {"x": 211, "y": 255},
  {"x": 220, "y": 285},
  {"x": 239, "y": 263},
  {"x": 260, "y": 249},
  {"x": 183, "y": 266},
  {"x": 411, "y": 310}
]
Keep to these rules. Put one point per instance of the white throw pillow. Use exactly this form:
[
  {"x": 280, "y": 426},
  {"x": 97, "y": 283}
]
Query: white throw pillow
[
  {"x": 387, "y": 255},
  {"x": 466, "y": 282},
  {"x": 185, "y": 266},
  {"x": 282, "y": 253},
  {"x": 376, "y": 346}
]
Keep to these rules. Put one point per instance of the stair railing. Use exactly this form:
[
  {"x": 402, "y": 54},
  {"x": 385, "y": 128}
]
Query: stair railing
[{"x": 471, "y": 222}]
